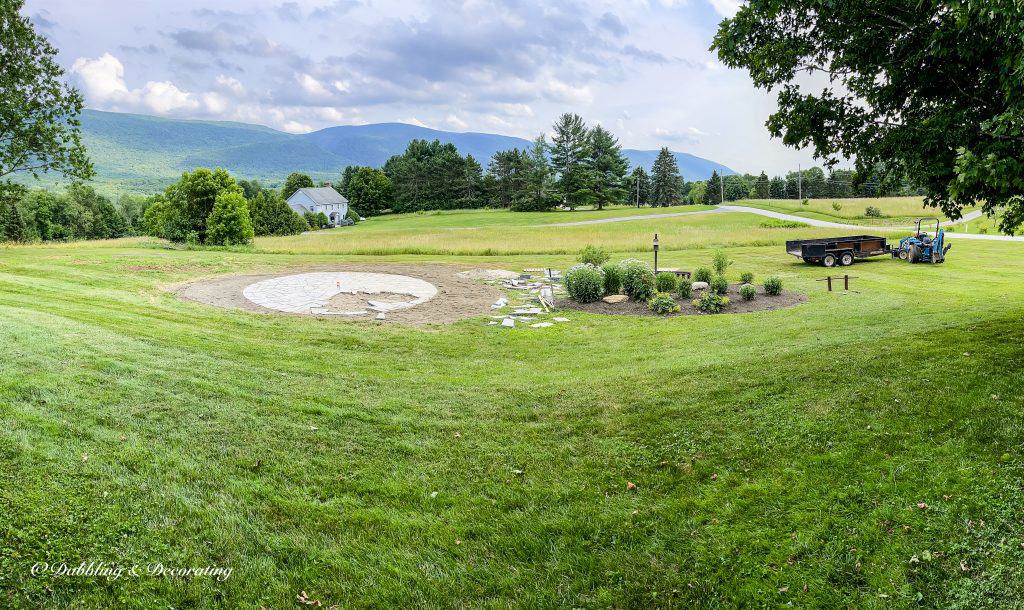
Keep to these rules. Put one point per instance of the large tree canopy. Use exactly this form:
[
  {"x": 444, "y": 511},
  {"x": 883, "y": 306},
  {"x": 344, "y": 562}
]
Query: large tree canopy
[
  {"x": 929, "y": 90},
  {"x": 39, "y": 127}
]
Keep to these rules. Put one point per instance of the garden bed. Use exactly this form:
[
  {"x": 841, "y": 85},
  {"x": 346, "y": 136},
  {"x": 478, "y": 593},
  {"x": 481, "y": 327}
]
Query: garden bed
[{"x": 762, "y": 302}]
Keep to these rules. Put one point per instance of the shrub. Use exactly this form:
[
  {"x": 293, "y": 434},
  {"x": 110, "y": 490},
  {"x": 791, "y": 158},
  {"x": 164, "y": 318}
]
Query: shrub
[
  {"x": 684, "y": 288},
  {"x": 805, "y": 202},
  {"x": 352, "y": 215},
  {"x": 719, "y": 285},
  {"x": 872, "y": 212},
  {"x": 747, "y": 278},
  {"x": 773, "y": 286},
  {"x": 709, "y": 302},
  {"x": 584, "y": 283},
  {"x": 592, "y": 255},
  {"x": 748, "y": 292},
  {"x": 229, "y": 223},
  {"x": 702, "y": 274},
  {"x": 665, "y": 282},
  {"x": 662, "y": 303},
  {"x": 837, "y": 206},
  {"x": 637, "y": 279},
  {"x": 721, "y": 262},
  {"x": 612, "y": 278}
]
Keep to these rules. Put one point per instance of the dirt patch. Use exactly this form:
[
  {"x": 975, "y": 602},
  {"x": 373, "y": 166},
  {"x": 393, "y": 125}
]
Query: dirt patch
[
  {"x": 762, "y": 302},
  {"x": 457, "y": 297}
]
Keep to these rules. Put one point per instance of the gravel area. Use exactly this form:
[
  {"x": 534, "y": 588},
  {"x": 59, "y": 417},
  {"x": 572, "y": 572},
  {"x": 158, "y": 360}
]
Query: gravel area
[{"x": 457, "y": 297}]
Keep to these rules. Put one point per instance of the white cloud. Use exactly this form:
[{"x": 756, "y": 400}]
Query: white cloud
[
  {"x": 103, "y": 81},
  {"x": 455, "y": 122},
  {"x": 230, "y": 84},
  {"x": 312, "y": 86},
  {"x": 726, "y": 8},
  {"x": 296, "y": 127}
]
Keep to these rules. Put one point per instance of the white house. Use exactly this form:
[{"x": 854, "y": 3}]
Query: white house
[{"x": 324, "y": 199}]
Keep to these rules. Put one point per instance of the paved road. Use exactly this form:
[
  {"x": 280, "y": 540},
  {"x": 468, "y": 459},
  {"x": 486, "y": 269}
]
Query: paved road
[{"x": 814, "y": 222}]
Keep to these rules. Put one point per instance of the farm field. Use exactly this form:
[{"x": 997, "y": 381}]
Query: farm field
[{"x": 863, "y": 449}]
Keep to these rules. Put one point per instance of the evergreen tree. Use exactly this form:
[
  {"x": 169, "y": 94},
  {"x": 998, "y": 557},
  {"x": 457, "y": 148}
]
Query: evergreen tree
[
  {"x": 666, "y": 182},
  {"x": 609, "y": 168},
  {"x": 713, "y": 194},
  {"x": 777, "y": 188},
  {"x": 570, "y": 159},
  {"x": 13, "y": 227},
  {"x": 509, "y": 167},
  {"x": 639, "y": 187},
  {"x": 762, "y": 188},
  {"x": 472, "y": 184},
  {"x": 538, "y": 184}
]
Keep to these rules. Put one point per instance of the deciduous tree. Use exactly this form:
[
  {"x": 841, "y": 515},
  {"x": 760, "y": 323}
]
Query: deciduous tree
[{"x": 929, "y": 91}]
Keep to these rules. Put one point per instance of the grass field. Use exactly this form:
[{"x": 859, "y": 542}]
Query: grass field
[
  {"x": 860, "y": 450},
  {"x": 896, "y": 211}
]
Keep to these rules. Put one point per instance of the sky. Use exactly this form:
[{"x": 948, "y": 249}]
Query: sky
[{"x": 641, "y": 68}]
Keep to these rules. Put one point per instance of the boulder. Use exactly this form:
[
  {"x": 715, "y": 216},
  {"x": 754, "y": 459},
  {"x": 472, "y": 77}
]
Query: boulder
[
  {"x": 617, "y": 298},
  {"x": 699, "y": 286}
]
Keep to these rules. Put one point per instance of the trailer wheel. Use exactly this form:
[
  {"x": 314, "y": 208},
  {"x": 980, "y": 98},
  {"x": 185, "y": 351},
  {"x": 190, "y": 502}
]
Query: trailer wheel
[
  {"x": 829, "y": 260},
  {"x": 903, "y": 254},
  {"x": 846, "y": 259}
]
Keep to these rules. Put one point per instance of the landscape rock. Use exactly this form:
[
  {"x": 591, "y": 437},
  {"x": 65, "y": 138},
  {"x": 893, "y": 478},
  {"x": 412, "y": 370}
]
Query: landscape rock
[
  {"x": 699, "y": 286},
  {"x": 619, "y": 298}
]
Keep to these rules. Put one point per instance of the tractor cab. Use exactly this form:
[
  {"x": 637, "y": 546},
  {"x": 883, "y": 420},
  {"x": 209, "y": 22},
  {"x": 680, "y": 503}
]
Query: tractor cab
[{"x": 922, "y": 247}]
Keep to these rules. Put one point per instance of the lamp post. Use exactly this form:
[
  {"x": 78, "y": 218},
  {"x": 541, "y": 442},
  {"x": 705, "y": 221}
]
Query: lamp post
[{"x": 655, "y": 253}]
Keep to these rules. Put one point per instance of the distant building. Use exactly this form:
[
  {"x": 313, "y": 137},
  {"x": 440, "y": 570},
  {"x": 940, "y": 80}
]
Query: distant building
[{"x": 324, "y": 199}]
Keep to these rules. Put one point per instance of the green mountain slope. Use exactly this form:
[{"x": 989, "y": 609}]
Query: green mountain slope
[{"x": 142, "y": 154}]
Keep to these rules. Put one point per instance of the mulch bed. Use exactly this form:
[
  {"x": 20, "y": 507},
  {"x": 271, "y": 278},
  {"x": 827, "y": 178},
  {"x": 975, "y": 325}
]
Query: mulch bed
[{"x": 762, "y": 302}]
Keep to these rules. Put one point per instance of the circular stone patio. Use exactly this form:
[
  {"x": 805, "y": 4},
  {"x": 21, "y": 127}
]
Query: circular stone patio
[{"x": 314, "y": 293}]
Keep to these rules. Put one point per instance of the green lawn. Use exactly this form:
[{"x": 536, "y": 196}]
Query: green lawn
[
  {"x": 778, "y": 457},
  {"x": 896, "y": 211}
]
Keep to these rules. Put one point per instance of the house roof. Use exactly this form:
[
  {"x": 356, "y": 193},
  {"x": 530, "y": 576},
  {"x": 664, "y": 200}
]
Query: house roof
[{"x": 321, "y": 196}]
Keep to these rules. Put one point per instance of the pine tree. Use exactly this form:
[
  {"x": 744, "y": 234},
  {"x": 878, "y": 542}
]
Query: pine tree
[
  {"x": 13, "y": 227},
  {"x": 639, "y": 187},
  {"x": 609, "y": 168},
  {"x": 538, "y": 184},
  {"x": 666, "y": 182},
  {"x": 713, "y": 195},
  {"x": 570, "y": 158},
  {"x": 762, "y": 188}
]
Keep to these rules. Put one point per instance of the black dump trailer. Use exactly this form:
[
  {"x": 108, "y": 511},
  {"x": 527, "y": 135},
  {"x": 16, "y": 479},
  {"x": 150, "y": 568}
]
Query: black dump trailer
[{"x": 832, "y": 251}]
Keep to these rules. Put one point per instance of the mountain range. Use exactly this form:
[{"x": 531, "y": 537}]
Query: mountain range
[{"x": 139, "y": 153}]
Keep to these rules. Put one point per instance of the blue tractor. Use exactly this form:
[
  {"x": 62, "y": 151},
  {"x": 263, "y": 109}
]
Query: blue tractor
[{"x": 922, "y": 247}]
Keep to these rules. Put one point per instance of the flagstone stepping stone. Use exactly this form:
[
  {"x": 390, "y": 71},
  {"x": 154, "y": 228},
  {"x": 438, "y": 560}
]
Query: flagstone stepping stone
[
  {"x": 615, "y": 298},
  {"x": 508, "y": 323},
  {"x": 560, "y": 319},
  {"x": 541, "y": 325}
]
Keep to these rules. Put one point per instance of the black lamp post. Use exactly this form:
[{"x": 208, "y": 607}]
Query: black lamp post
[{"x": 655, "y": 252}]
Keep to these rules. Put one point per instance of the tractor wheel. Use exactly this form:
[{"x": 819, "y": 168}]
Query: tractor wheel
[
  {"x": 829, "y": 260},
  {"x": 846, "y": 259},
  {"x": 903, "y": 254},
  {"x": 914, "y": 253}
]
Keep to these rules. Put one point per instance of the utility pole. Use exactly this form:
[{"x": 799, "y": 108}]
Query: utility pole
[
  {"x": 636, "y": 181},
  {"x": 721, "y": 181},
  {"x": 800, "y": 182}
]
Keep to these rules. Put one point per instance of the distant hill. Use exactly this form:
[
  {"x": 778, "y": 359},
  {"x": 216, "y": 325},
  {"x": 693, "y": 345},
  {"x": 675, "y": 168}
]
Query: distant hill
[{"x": 138, "y": 153}]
